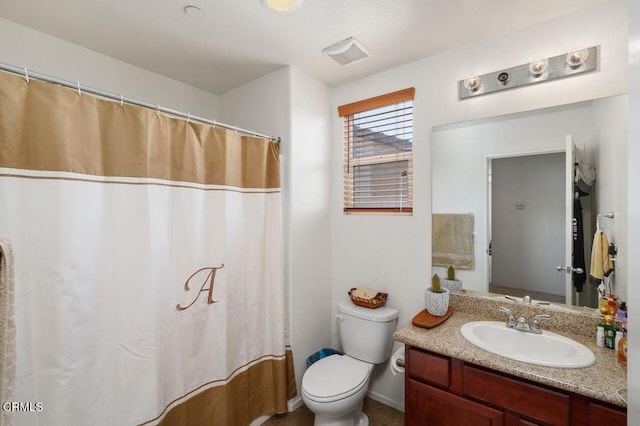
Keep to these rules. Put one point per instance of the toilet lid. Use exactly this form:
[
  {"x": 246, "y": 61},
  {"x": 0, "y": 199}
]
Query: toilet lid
[{"x": 335, "y": 377}]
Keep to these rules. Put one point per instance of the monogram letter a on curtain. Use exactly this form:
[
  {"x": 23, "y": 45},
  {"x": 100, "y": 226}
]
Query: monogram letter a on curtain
[
  {"x": 211, "y": 278},
  {"x": 109, "y": 208}
]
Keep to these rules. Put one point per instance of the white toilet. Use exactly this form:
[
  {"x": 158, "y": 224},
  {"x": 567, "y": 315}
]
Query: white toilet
[{"x": 334, "y": 387}]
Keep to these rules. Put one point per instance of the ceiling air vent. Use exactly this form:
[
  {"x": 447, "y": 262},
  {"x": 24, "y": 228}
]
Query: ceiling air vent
[{"x": 347, "y": 51}]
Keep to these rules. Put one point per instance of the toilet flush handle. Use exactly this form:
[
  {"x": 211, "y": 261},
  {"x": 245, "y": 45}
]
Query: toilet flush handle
[{"x": 340, "y": 317}]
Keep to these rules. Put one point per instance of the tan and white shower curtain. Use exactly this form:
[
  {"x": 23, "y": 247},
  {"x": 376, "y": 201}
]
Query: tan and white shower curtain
[{"x": 148, "y": 264}]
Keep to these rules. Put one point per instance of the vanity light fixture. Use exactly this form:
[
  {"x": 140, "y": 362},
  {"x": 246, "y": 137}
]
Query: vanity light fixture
[
  {"x": 537, "y": 71},
  {"x": 472, "y": 84},
  {"x": 576, "y": 59},
  {"x": 282, "y": 6},
  {"x": 538, "y": 67}
]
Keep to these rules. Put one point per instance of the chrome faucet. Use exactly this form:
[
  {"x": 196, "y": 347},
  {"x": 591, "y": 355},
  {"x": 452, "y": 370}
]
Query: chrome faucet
[
  {"x": 535, "y": 325},
  {"x": 511, "y": 321},
  {"x": 522, "y": 324}
]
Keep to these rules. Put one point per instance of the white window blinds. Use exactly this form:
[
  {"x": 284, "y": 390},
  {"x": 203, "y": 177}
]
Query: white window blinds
[{"x": 378, "y": 153}]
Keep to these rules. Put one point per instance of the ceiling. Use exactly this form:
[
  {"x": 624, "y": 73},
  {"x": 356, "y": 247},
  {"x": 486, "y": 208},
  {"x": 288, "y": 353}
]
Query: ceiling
[{"x": 238, "y": 41}]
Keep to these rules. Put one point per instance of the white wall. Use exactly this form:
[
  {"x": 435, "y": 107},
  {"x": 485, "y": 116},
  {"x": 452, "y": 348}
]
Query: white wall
[
  {"x": 633, "y": 229},
  {"x": 262, "y": 105},
  {"x": 310, "y": 226},
  {"x": 293, "y": 105},
  {"x": 26, "y": 48},
  {"x": 392, "y": 253},
  {"x": 610, "y": 118}
]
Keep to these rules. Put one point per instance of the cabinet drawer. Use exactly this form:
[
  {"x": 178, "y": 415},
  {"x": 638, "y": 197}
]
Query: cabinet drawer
[
  {"x": 429, "y": 368},
  {"x": 529, "y": 400}
]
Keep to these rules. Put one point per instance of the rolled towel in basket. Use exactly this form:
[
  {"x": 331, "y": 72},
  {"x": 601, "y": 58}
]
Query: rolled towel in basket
[{"x": 364, "y": 293}]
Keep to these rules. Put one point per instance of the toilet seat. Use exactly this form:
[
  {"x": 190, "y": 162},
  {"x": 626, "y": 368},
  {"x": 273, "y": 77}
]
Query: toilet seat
[{"x": 334, "y": 378}]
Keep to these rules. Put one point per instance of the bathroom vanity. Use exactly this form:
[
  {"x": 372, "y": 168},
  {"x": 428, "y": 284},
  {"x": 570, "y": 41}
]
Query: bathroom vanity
[
  {"x": 449, "y": 381},
  {"x": 447, "y": 391}
]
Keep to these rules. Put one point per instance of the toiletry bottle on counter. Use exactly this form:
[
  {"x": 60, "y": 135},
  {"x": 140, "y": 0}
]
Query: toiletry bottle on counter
[
  {"x": 622, "y": 351},
  {"x": 609, "y": 336},
  {"x": 600, "y": 335},
  {"x": 618, "y": 338},
  {"x": 622, "y": 311},
  {"x": 609, "y": 332}
]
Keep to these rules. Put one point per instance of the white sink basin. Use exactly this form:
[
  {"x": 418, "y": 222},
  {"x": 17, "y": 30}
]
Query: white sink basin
[{"x": 547, "y": 349}]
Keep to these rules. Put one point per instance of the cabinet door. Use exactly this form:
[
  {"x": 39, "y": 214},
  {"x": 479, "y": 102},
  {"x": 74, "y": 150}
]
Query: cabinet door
[
  {"x": 601, "y": 415},
  {"x": 428, "y": 406}
]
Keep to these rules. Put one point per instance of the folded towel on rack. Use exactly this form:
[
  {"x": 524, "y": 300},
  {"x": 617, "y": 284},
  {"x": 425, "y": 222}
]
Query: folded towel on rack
[{"x": 601, "y": 265}]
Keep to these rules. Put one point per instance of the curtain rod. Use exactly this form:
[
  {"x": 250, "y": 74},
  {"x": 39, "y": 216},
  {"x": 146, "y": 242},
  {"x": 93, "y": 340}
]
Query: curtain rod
[{"x": 118, "y": 97}]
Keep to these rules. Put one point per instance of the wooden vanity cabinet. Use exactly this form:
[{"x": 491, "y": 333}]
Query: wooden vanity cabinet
[{"x": 445, "y": 391}]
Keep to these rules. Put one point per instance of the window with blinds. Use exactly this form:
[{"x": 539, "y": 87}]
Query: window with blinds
[{"x": 378, "y": 154}]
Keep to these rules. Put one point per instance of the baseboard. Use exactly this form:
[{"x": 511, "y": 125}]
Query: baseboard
[
  {"x": 260, "y": 420},
  {"x": 386, "y": 401},
  {"x": 294, "y": 403}
]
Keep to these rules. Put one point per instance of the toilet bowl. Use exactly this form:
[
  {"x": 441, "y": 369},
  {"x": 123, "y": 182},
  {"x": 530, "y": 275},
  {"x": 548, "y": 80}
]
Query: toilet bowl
[{"x": 334, "y": 387}]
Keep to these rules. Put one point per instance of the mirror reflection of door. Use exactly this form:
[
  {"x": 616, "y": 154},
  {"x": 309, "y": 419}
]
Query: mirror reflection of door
[
  {"x": 459, "y": 161},
  {"x": 527, "y": 220}
]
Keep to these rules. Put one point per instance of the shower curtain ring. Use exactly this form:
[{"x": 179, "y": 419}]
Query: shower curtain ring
[
  {"x": 157, "y": 108},
  {"x": 236, "y": 130},
  {"x": 121, "y": 100},
  {"x": 188, "y": 117},
  {"x": 79, "y": 91},
  {"x": 26, "y": 74}
]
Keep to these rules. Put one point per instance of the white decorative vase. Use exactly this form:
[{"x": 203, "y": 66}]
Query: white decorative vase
[
  {"x": 454, "y": 286},
  {"x": 437, "y": 304}
]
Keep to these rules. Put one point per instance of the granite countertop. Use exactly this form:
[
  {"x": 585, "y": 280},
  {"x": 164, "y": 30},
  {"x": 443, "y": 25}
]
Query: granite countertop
[{"x": 601, "y": 381}]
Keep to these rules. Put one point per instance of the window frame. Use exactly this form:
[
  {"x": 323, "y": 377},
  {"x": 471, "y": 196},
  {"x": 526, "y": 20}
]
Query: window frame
[{"x": 347, "y": 112}]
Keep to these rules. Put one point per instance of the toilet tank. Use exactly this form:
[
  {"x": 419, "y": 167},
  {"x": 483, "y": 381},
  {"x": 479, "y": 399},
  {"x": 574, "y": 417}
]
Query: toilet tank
[{"x": 366, "y": 334}]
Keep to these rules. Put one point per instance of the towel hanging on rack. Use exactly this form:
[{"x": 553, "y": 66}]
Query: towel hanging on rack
[{"x": 601, "y": 265}]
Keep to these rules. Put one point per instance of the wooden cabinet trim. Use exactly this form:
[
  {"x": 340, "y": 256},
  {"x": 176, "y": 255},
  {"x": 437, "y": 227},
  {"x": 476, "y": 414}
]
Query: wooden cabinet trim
[{"x": 456, "y": 376}]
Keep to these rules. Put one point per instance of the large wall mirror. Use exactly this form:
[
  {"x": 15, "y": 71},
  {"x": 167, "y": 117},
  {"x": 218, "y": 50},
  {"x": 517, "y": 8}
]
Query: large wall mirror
[{"x": 509, "y": 174}]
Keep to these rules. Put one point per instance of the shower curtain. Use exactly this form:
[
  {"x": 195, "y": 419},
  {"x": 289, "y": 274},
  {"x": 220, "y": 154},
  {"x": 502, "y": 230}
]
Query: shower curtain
[{"x": 148, "y": 264}]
